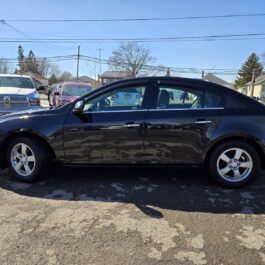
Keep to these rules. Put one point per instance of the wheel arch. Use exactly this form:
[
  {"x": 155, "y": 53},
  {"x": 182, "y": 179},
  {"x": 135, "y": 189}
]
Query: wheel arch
[
  {"x": 244, "y": 139},
  {"x": 32, "y": 135}
]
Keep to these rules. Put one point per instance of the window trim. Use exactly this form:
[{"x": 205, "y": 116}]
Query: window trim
[
  {"x": 153, "y": 110},
  {"x": 187, "y": 109},
  {"x": 113, "y": 111}
]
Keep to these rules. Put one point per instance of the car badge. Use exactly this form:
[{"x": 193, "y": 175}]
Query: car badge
[{"x": 7, "y": 102}]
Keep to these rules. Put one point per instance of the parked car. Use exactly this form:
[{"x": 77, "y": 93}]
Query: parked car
[
  {"x": 213, "y": 126},
  {"x": 66, "y": 92},
  {"x": 17, "y": 93}
]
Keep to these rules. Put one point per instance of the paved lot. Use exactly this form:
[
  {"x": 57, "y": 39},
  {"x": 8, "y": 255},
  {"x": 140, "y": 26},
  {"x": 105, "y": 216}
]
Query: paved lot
[
  {"x": 130, "y": 216},
  {"x": 44, "y": 101}
]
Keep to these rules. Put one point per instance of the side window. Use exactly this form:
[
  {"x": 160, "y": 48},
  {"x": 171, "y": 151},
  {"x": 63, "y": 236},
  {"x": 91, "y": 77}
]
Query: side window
[
  {"x": 127, "y": 98},
  {"x": 179, "y": 98},
  {"x": 213, "y": 100}
]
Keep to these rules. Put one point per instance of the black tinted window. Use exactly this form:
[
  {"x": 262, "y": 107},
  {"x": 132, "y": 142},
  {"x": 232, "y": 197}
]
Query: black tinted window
[
  {"x": 213, "y": 100},
  {"x": 179, "y": 98}
]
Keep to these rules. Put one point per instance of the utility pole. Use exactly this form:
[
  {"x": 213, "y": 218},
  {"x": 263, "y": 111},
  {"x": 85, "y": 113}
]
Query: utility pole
[
  {"x": 77, "y": 68},
  {"x": 253, "y": 83},
  {"x": 202, "y": 74},
  {"x": 99, "y": 50}
]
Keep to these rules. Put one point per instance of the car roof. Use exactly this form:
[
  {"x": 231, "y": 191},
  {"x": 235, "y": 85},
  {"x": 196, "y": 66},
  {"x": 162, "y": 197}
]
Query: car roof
[
  {"x": 76, "y": 83},
  {"x": 15, "y": 75}
]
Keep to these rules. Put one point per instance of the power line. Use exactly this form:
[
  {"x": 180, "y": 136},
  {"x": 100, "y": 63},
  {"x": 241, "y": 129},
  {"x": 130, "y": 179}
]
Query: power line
[
  {"x": 249, "y": 36},
  {"x": 138, "y": 41},
  {"x": 138, "y": 19},
  {"x": 163, "y": 68},
  {"x": 43, "y": 43},
  {"x": 190, "y": 70},
  {"x": 21, "y": 32}
]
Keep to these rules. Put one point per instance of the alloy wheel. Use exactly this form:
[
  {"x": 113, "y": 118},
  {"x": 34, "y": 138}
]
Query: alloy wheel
[
  {"x": 23, "y": 159},
  {"x": 234, "y": 164}
]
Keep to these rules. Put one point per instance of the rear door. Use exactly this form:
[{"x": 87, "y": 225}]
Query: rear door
[{"x": 180, "y": 123}]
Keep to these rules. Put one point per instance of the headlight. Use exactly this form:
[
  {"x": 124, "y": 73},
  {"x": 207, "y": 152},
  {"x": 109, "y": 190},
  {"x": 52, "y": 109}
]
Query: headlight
[{"x": 34, "y": 101}]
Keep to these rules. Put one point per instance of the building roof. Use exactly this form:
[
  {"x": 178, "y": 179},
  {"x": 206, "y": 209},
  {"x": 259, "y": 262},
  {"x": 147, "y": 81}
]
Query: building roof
[
  {"x": 37, "y": 78},
  {"x": 84, "y": 79},
  {"x": 258, "y": 80},
  {"x": 214, "y": 79},
  {"x": 114, "y": 74}
]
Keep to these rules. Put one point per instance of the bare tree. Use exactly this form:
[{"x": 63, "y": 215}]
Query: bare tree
[
  {"x": 4, "y": 66},
  {"x": 46, "y": 69},
  {"x": 131, "y": 57},
  {"x": 154, "y": 70},
  {"x": 66, "y": 76},
  {"x": 53, "y": 69}
]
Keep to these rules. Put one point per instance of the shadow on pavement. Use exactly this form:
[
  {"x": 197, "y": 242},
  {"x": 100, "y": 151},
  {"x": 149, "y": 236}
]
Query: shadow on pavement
[{"x": 148, "y": 188}]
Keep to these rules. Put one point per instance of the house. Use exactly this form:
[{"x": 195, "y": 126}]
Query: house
[
  {"x": 214, "y": 79},
  {"x": 86, "y": 79},
  {"x": 112, "y": 76},
  {"x": 259, "y": 88},
  {"x": 39, "y": 80}
]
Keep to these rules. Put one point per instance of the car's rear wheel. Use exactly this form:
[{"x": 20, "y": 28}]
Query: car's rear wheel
[
  {"x": 27, "y": 159},
  {"x": 233, "y": 164}
]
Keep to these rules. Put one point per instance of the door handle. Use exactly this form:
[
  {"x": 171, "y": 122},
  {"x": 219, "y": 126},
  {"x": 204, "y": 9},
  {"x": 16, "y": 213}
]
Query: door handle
[
  {"x": 131, "y": 125},
  {"x": 202, "y": 122}
]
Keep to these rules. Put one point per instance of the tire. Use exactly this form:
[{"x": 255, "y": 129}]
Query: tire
[
  {"x": 233, "y": 164},
  {"x": 28, "y": 159}
]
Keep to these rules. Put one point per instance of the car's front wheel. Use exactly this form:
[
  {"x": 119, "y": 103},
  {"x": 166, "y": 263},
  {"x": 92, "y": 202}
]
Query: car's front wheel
[
  {"x": 233, "y": 164},
  {"x": 27, "y": 159}
]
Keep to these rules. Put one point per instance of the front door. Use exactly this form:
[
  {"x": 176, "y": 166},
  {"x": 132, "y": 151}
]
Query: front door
[{"x": 110, "y": 129}]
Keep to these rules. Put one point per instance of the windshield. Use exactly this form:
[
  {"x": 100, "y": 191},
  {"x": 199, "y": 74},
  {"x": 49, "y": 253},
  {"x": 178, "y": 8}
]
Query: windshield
[
  {"x": 21, "y": 82},
  {"x": 76, "y": 90}
]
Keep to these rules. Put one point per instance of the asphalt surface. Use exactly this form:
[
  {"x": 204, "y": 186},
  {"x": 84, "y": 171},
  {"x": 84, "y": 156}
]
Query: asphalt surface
[
  {"x": 130, "y": 216},
  {"x": 44, "y": 101}
]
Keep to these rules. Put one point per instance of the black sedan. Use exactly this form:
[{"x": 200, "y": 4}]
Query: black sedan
[{"x": 148, "y": 121}]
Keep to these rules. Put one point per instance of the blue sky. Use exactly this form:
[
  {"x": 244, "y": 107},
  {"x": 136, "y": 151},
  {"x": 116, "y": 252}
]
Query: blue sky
[{"x": 216, "y": 54}]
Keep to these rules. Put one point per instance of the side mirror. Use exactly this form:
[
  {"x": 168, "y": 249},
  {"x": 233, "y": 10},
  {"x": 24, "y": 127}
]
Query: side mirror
[
  {"x": 78, "y": 107},
  {"x": 41, "y": 88}
]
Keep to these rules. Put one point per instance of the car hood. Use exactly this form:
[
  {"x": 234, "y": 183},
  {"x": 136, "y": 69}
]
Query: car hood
[
  {"x": 16, "y": 91},
  {"x": 28, "y": 113}
]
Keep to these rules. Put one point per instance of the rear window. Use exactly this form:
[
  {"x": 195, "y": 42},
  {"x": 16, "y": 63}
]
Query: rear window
[
  {"x": 76, "y": 90},
  {"x": 21, "y": 82}
]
